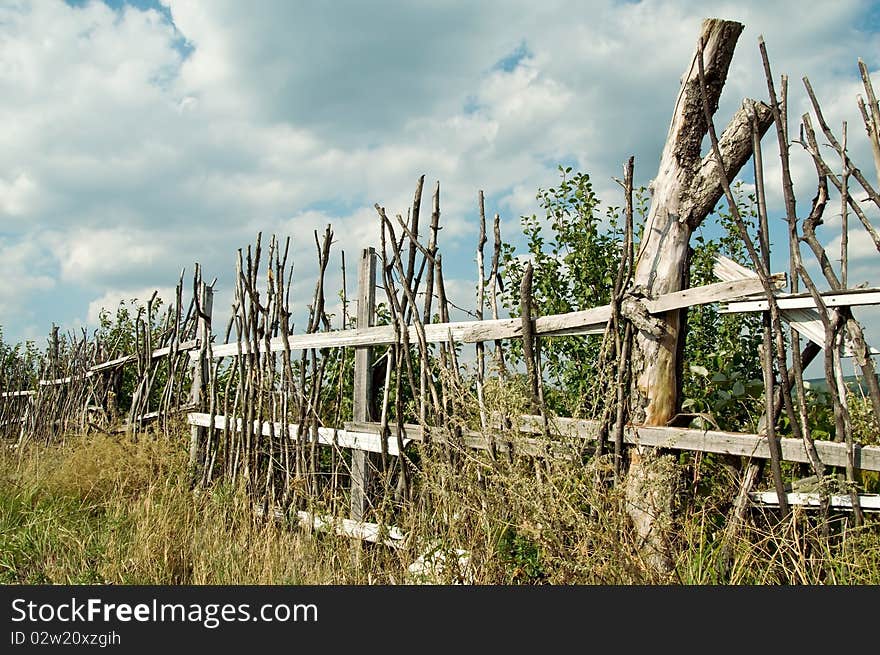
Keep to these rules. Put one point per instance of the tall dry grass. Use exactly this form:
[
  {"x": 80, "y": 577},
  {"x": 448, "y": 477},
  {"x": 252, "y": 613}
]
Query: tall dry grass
[{"x": 106, "y": 510}]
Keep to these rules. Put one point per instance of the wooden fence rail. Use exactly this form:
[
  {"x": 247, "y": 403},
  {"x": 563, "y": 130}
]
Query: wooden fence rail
[
  {"x": 366, "y": 436},
  {"x": 583, "y": 322},
  {"x": 534, "y": 436}
]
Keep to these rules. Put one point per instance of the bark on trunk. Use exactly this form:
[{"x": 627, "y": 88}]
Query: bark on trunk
[{"x": 684, "y": 192}]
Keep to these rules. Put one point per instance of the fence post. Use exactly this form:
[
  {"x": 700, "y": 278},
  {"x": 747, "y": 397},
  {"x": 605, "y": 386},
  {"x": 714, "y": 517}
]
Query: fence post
[
  {"x": 363, "y": 463},
  {"x": 198, "y": 435},
  {"x": 54, "y": 364}
]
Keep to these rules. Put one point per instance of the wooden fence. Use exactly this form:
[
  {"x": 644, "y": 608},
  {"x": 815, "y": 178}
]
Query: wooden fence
[
  {"x": 82, "y": 398},
  {"x": 570, "y": 438}
]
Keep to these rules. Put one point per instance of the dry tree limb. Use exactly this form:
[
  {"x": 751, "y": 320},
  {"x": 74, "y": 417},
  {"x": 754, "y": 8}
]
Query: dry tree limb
[
  {"x": 430, "y": 254},
  {"x": 394, "y": 302},
  {"x": 819, "y": 203},
  {"x": 773, "y": 443},
  {"x": 496, "y": 285},
  {"x": 287, "y": 375},
  {"x": 623, "y": 367},
  {"x": 413, "y": 232},
  {"x": 842, "y": 423},
  {"x": 835, "y": 144},
  {"x": 413, "y": 281},
  {"x": 479, "y": 346},
  {"x": 443, "y": 303},
  {"x": 812, "y": 147},
  {"x": 400, "y": 350},
  {"x": 871, "y": 116},
  {"x": 525, "y": 300},
  {"x": 780, "y": 119},
  {"x": 337, "y": 410},
  {"x": 420, "y": 328},
  {"x": 319, "y": 317},
  {"x": 844, "y": 216},
  {"x": 861, "y": 352}
]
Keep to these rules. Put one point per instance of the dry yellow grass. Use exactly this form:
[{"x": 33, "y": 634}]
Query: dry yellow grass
[{"x": 106, "y": 510}]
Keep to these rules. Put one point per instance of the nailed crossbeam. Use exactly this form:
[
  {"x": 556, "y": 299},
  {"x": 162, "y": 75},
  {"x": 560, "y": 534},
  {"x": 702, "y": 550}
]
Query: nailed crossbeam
[
  {"x": 369, "y": 441},
  {"x": 365, "y": 436},
  {"x": 583, "y": 322}
]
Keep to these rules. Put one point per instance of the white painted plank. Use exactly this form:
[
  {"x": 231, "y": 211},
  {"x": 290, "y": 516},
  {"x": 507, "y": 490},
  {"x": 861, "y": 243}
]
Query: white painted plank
[
  {"x": 344, "y": 438},
  {"x": 17, "y": 394},
  {"x": 850, "y": 298},
  {"x": 366, "y": 531}
]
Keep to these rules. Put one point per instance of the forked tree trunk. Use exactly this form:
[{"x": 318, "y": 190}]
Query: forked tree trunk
[{"x": 684, "y": 192}]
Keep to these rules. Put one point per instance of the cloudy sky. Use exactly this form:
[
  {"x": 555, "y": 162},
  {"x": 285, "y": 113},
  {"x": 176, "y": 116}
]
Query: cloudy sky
[{"x": 139, "y": 137}]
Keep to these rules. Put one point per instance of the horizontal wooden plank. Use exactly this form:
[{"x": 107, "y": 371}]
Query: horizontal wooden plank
[
  {"x": 388, "y": 535},
  {"x": 717, "y": 292},
  {"x": 369, "y": 441},
  {"x": 712, "y": 441},
  {"x": 587, "y": 322},
  {"x": 505, "y": 441},
  {"x": 159, "y": 352},
  {"x": 868, "y": 502},
  {"x": 850, "y": 298},
  {"x": 119, "y": 361},
  {"x": 17, "y": 394},
  {"x": 582, "y": 322}
]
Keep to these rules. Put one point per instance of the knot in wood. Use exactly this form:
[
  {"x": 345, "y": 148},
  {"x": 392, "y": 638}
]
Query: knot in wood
[{"x": 634, "y": 310}]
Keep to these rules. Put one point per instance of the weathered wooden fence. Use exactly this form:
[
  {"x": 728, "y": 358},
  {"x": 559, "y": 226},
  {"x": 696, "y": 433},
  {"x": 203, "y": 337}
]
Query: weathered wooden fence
[
  {"x": 246, "y": 390},
  {"x": 81, "y": 380},
  {"x": 261, "y": 413},
  {"x": 324, "y": 424},
  {"x": 283, "y": 451}
]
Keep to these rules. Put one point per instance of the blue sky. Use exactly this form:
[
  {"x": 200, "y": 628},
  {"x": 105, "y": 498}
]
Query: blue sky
[{"x": 143, "y": 136}]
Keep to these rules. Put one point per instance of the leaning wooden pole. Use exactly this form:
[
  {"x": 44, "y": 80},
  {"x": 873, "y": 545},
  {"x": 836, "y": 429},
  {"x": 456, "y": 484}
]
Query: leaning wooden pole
[
  {"x": 685, "y": 191},
  {"x": 204, "y": 308}
]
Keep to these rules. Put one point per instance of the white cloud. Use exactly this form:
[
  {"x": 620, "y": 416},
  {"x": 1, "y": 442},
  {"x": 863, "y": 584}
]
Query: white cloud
[
  {"x": 103, "y": 254},
  {"x": 17, "y": 196},
  {"x": 23, "y": 272}
]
